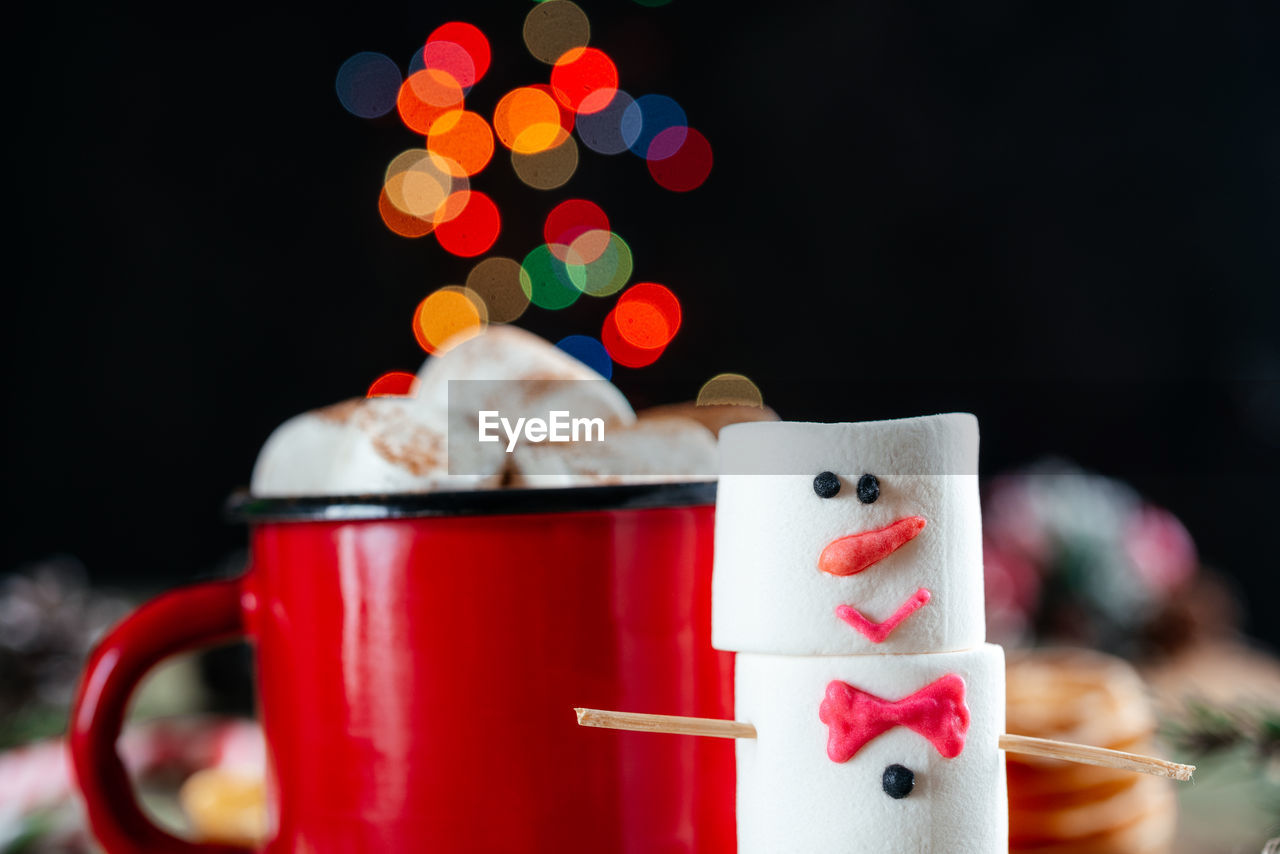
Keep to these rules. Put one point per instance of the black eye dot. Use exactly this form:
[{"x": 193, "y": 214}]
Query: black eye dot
[
  {"x": 898, "y": 781},
  {"x": 868, "y": 488},
  {"x": 826, "y": 485}
]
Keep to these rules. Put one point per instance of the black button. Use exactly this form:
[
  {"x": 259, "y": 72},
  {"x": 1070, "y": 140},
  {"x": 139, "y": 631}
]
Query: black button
[
  {"x": 898, "y": 781},
  {"x": 868, "y": 488},
  {"x": 826, "y": 485}
]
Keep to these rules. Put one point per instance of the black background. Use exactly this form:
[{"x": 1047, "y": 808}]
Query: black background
[{"x": 1060, "y": 216}]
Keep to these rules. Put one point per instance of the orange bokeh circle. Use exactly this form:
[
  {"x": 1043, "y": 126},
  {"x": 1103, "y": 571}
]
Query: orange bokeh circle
[
  {"x": 527, "y": 121},
  {"x": 464, "y": 138},
  {"x": 425, "y": 96},
  {"x": 447, "y": 317}
]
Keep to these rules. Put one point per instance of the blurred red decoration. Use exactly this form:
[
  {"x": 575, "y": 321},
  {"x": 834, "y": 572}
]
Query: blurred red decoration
[
  {"x": 473, "y": 231},
  {"x": 585, "y": 80},
  {"x": 623, "y": 351},
  {"x": 688, "y": 167},
  {"x": 647, "y": 315},
  {"x": 469, "y": 38},
  {"x": 568, "y": 221},
  {"x": 393, "y": 384}
]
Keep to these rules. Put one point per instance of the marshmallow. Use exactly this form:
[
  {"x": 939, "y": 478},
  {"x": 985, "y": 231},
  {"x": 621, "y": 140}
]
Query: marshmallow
[
  {"x": 295, "y": 458},
  {"x": 385, "y": 445},
  {"x": 792, "y": 576},
  {"x": 793, "y": 796},
  {"x": 373, "y": 446},
  {"x": 653, "y": 450}
]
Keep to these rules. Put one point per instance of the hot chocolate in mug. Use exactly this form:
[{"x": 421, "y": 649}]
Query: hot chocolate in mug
[{"x": 418, "y": 659}]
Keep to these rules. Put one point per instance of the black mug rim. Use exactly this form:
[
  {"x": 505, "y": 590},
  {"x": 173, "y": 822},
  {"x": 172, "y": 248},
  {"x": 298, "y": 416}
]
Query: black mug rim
[{"x": 244, "y": 507}]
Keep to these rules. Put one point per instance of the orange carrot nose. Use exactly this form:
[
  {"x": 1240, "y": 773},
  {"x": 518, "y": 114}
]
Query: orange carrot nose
[{"x": 854, "y": 553}]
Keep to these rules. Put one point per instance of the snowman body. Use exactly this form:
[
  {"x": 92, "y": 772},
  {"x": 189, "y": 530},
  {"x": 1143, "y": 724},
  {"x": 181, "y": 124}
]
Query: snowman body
[
  {"x": 793, "y": 797},
  {"x": 848, "y": 579}
]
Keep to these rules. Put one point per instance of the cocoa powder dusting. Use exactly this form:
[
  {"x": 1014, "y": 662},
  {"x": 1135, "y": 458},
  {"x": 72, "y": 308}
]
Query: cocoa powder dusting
[{"x": 416, "y": 449}]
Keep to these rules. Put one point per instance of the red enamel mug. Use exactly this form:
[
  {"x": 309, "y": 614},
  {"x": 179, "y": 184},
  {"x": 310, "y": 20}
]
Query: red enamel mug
[{"x": 418, "y": 660}]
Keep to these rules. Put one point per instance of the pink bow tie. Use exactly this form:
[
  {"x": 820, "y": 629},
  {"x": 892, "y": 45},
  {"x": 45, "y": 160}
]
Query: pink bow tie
[{"x": 854, "y": 717}]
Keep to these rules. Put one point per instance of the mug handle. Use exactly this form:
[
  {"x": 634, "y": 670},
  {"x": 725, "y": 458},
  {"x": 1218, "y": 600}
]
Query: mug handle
[{"x": 171, "y": 623}]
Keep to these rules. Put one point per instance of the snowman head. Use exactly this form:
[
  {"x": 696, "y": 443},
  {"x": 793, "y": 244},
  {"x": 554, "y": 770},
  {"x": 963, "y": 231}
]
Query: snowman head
[{"x": 845, "y": 539}]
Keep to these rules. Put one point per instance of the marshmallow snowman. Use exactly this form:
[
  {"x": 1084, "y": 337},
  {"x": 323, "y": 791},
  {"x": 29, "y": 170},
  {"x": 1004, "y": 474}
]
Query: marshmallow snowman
[
  {"x": 849, "y": 539},
  {"x": 848, "y": 578}
]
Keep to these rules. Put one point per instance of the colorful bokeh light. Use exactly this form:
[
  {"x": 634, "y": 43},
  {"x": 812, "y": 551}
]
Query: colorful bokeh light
[
  {"x": 470, "y": 39},
  {"x": 416, "y": 63},
  {"x": 590, "y": 352},
  {"x": 418, "y": 182},
  {"x": 667, "y": 143},
  {"x": 623, "y": 351},
  {"x": 588, "y": 247},
  {"x": 368, "y": 84},
  {"x": 452, "y": 207},
  {"x": 473, "y": 230},
  {"x": 527, "y": 120},
  {"x": 650, "y": 115},
  {"x": 453, "y": 60},
  {"x": 555, "y": 27},
  {"x": 569, "y": 220},
  {"x": 584, "y": 80},
  {"x": 647, "y": 315},
  {"x": 393, "y": 384},
  {"x": 403, "y": 224},
  {"x": 599, "y": 263},
  {"x": 428, "y": 190},
  {"x": 547, "y": 170},
  {"x": 612, "y": 129},
  {"x": 730, "y": 390},
  {"x": 425, "y": 96},
  {"x": 688, "y": 167},
  {"x": 447, "y": 317},
  {"x": 567, "y": 116},
  {"x": 545, "y": 280},
  {"x": 496, "y": 280},
  {"x": 464, "y": 138}
]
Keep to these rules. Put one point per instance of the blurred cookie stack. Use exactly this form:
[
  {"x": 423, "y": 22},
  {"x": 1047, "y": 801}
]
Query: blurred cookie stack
[
  {"x": 1061, "y": 808},
  {"x": 226, "y": 806}
]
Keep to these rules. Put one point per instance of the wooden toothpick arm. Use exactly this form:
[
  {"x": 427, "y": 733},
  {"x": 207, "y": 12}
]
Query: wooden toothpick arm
[
  {"x": 1081, "y": 753},
  {"x": 665, "y": 723},
  {"x": 1088, "y": 755}
]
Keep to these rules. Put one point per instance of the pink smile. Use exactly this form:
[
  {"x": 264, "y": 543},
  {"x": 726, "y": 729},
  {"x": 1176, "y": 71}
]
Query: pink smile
[{"x": 878, "y": 632}]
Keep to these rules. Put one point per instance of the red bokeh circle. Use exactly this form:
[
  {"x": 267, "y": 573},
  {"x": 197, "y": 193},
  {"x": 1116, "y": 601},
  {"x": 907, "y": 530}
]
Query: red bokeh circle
[
  {"x": 393, "y": 384},
  {"x": 623, "y": 351},
  {"x": 469, "y": 38},
  {"x": 569, "y": 220},
  {"x": 647, "y": 315},
  {"x": 688, "y": 167},
  {"x": 473, "y": 231},
  {"x": 585, "y": 79}
]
